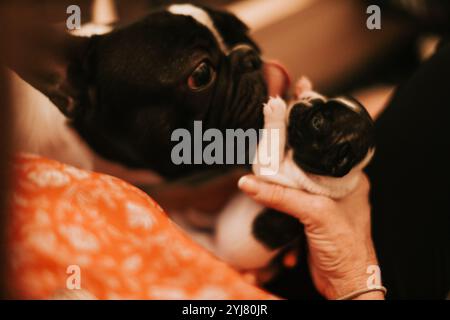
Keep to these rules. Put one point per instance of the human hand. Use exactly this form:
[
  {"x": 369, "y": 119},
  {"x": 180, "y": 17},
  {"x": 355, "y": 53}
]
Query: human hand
[{"x": 340, "y": 248}]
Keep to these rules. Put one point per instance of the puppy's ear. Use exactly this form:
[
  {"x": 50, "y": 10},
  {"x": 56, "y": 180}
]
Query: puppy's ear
[
  {"x": 342, "y": 161},
  {"x": 57, "y": 64},
  {"x": 232, "y": 29}
]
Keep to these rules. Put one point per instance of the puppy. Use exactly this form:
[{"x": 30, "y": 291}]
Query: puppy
[
  {"x": 322, "y": 147},
  {"x": 126, "y": 91}
]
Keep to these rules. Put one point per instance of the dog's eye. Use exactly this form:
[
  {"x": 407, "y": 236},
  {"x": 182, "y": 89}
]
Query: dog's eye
[
  {"x": 317, "y": 122},
  {"x": 202, "y": 77}
]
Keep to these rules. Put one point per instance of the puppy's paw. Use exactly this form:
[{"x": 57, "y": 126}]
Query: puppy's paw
[
  {"x": 303, "y": 85},
  {"x": 275, "y": 109}
]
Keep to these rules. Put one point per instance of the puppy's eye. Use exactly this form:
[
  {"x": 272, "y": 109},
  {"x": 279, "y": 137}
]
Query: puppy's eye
[
  {"x": 317, "y": 121},
  {"x": 202, "y": 77}
]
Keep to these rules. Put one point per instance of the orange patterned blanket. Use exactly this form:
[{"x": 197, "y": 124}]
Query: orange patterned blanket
[{"x": 75, "y": 230}]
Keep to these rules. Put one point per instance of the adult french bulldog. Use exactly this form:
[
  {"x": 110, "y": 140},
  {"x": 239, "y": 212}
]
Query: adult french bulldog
[{"x": 126, "y": 91}]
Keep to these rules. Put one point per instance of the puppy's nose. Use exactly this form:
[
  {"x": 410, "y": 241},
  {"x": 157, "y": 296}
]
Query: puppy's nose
[{"x": 245, "y": 58}]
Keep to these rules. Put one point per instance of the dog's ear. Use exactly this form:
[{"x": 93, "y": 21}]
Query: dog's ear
[
  {"x": 233, "y": 30},
  {"x": 57, "y": 64},
  {"x": 340, "y": 161}
]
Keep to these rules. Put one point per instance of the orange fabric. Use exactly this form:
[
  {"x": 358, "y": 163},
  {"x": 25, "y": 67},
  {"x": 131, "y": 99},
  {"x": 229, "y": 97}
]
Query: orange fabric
[{"x": 123, "y": 242}]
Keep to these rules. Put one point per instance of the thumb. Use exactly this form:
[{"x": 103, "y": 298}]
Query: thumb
[{"x": 306, "y": 207}]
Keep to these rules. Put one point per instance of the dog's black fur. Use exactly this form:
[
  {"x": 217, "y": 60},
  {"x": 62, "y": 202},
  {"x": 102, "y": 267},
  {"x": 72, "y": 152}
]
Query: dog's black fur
[
  {"x": 328, "y": 137},
  {"x": 126, "y": 92}
]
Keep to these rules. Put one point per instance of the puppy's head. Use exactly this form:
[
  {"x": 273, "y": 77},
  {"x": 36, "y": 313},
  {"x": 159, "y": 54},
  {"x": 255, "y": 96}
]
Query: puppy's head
[
  {"x": 127, "y": 91},
  {"x": 329, "y": 137}
]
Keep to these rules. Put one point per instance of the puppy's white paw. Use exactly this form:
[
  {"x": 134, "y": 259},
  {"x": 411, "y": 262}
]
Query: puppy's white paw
[
  {"x": 303, "y": 85},
  {"x": 275, "y": 109}
]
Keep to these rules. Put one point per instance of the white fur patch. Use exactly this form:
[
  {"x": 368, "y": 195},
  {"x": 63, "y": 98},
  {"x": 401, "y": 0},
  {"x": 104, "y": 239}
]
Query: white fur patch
[
  {"x": 202, "y": 17},
  {"x": 311, "y": 95},
  {"x": 349, "y": 104},
  {"x": 235, "y": 242},
  {"x": 292, "y": 176}
]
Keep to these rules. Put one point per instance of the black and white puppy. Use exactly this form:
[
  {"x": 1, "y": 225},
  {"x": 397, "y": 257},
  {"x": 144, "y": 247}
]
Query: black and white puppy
[
  {"x": 322, "y": 146},
  {"x": 126, "y": 91}
]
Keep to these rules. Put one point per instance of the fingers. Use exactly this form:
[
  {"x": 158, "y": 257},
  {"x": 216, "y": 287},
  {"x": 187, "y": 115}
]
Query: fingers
[{"x": 300, "y": 204}]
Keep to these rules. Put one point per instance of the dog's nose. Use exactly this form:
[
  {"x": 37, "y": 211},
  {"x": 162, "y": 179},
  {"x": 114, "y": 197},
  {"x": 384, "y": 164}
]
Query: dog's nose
[{"x": 245, "y": 58}]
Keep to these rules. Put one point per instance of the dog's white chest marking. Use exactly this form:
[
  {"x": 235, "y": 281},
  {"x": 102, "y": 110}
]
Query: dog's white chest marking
[{"x": 202, "y": 17}]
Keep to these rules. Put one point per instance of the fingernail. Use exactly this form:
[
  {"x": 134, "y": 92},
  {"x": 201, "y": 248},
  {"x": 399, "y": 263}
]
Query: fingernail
[{"x": 249, "y": 185}]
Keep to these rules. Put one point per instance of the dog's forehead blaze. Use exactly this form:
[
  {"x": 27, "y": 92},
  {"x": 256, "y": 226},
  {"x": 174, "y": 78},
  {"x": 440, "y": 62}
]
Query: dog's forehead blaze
[{"x": 202, "y": 17}]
